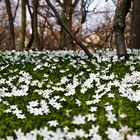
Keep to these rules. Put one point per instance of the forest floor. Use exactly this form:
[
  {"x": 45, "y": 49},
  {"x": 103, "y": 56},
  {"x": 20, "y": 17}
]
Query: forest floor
[{"x": 64, "y": 95}]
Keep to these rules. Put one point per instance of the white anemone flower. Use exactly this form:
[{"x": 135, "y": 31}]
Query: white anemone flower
[
  {"x": 14, "y": 110},
  {"x": 113, "y": 134},
  {"x": 111, "y": 117},
  {"x": 138, "y": 107},
  {"x": 111, "y": 95},
  {"x": 108, "y": 108},
  {"x": 78, "y": 102},
  {"x": 91, "y": 117},
  {"x": 34, "y": 103},
  {"x": 96, "y": 137},
  {"x": 94, "y": 130},
  {"x": 70, "y": 136},
  {"x": 80, "y": 133},
  {"x": 53, "y": 123},
  {"x": 79, "y": 120},
  {"x": 44, "y": 132},
  {"x": 83, "y": 89},
  {"x": 93, "y": 109},
  {"x": 21, "y": 136},
  {"x": 90, "y": 102},
  {"x": 133, "y": 137},
  {"x": 58, "y": 135},
  {"x": 124, "y": 129},
  {"x": 64, "y": 80},
  {"x": 38, "y": 108},
  {"x": 122, "y": 115},
  {"x": 57, "y": 105},
  {"x": 132, "y": 68}
]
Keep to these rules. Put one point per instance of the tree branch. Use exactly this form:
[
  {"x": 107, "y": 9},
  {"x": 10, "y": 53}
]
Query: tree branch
[
  {"x": 16, "y": 9},
  {"x": 60, "y": 3},
  {"x": 49, "y": 24},
  {"x": 75, "y": 3},
  {"x": 70, "y": 33}
]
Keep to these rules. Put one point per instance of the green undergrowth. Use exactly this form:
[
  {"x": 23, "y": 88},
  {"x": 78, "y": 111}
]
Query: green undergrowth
[{"x": 55, "y": 69}]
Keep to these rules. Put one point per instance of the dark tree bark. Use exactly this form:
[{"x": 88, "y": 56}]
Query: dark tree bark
[
  {"x": 36, "y": 41},
  {"x": 23, "y": 26},
  {"x": 122, "y": 9},
  {"x": 67, "y": 30},
  {"x": 16, "y": 8},
  {"x": 66, "y": 16},
  {"x": 11, "y": 24},
  {"x": 29, "y": 45},
  {"x": 135, "y": 26},
  {"x": 67, "y": 10}
]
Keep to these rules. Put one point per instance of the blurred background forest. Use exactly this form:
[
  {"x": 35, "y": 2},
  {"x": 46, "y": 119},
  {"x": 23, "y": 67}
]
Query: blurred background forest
[{"x": 31, "y": 24}]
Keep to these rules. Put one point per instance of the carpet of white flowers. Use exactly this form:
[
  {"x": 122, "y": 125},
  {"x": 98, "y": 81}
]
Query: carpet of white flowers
[{"x": 63, "y": 95}]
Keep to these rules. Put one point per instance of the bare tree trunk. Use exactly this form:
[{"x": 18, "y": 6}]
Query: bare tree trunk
[
  {"x": 23, "y": 26},
  {"x": 135, "y": 26},
  {"x": 11, "y": 24},
  {"x": 122, "y": 9},
  {"x": 36, "y": 41},
  {"x": 29, "y": 45},
  {"x": 65, "y": 40}
]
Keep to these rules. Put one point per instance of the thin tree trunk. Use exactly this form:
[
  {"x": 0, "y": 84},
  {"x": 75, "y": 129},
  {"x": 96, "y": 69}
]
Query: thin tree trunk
[
  {"x": 29, "y": 45},
  {"x": 36, "y": 42},
  {"x": 23, "y": 26},
  {"x": 122, "y": 9},
  {"x": 65, "y": 40},
  {"x": 135, "y": 26},
  {"x": 11, "y": 24}
]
